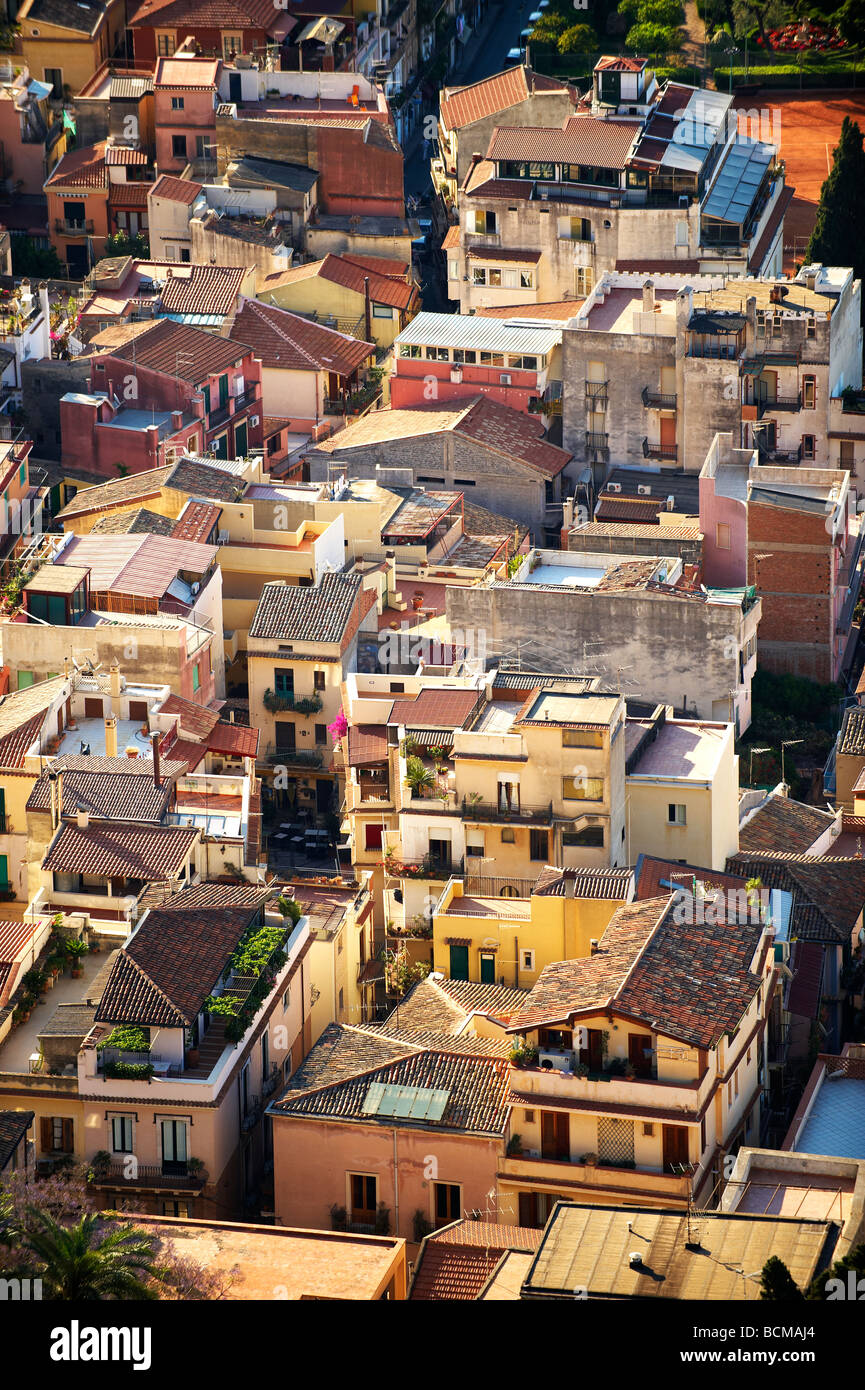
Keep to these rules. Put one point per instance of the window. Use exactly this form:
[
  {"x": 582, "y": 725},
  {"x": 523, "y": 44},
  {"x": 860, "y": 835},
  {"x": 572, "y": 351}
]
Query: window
[
  {"x": 174, "y": 1150},
  {"x": 776, "y": 326},
  {"x": 55, "y": 77},
  {"x": 676, "y": 814},
  {"x": 809, "y": 393},
  {"x": 341, "y": 1002},
  {"x": 453, "y": 274},
  {"x": 363, "y": 1195},
  {"x": 265, "y": 1055},
  {"x": 575, "y": 229},
  {"x": 492, "y": 359},
  {"x": 447, "y": 1202},
  {"x": 584, "y": 277},
  {"x": 286, "y": 1068},
  {"x": 196, "y": 677},
  {"x": 462, "y": 355},
  {"x": 722, "y": 536},
  {"x": 121, "y": 1134},
  {"x": 529, "y": 1116},
  {"x": 177, "y": 103},
  {"x": 761, "y": 323},
  {"x": 286, "y": 999},
  {"x": 165, "y": 45},
  {"x": 178, "y": 146},
  {"x": 382, "y": 311},
  {"x": 527, "y": 960},
  {"x": 590, "y": 837},
  {"x": 482, "y": 223},
  {"x": 283, "y": 681},
  {"x": 475, "y": 851},
  {"x": 56, "y": 1135},
  {"x": 231, "y": 44},
  {"x": 582, "y": 738},
  {"x": 372, "y": 836},
  {"x": 648, "y": 1129},
  {"x": 320, "y": 735},
  {"x": 847, "y": 455},
  {"x": 808, "y": 446},
  {"x": 526, "y": 364},
  {"x": 203, "y": 147},
  {"x": 811, "y": 327},
  {"x": 285, "y": 735},
  {"x": 729, "y": 1093},
  {"x": 539, "y": 845},
  {"x": 22, "y": 475},
  {"x": 172, "y": 1208},
  {"x": 582, "y": 788},
  {"x": 318, "y": 680}
]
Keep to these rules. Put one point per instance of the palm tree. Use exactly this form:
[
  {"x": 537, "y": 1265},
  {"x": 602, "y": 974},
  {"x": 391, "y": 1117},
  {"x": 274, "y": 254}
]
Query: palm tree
[{"x": 82, "y": 1262}]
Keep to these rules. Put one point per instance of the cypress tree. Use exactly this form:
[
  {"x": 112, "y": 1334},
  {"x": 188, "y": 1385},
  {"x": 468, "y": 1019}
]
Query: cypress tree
[
  {"x": 776, "y": 1283},
  {"x": 838, "y": 237}
]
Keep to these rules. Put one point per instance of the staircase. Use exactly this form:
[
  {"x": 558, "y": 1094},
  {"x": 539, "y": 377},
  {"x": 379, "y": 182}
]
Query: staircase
[{"x": 210, "y": 1050}]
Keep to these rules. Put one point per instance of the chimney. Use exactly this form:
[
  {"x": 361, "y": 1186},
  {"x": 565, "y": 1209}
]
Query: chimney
[
  {"x": 59, "y": 796},
  {"x": 43, "y": 302},
  {"x": 649, "y": 297},
  {"x": 570, "y": 885},
  {"x": 154, "y": 739},
  {"x": 82, "y": 817},
  {"x": 177, "y": 419},
  {"x": 197, "y": 404},
  {"x": 111, "y": 737},
  {"x": 114, "y": 688},
  {"x": 53, "y": 779},
  {"x": 593, "y": 946},
  {"x": 152, "y": 435}
]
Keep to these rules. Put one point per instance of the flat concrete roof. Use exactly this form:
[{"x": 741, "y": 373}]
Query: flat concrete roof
[
  {"x": 685, "y": 751},
  {"x": 836, "y": 1124}
]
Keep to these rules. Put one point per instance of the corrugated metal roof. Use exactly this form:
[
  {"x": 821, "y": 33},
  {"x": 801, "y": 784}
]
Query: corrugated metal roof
[{"x": 486, "y": 335}]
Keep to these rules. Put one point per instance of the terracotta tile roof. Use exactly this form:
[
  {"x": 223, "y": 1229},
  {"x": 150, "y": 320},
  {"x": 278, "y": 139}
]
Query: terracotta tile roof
[
  {"x": 558, "y": 310},
  {"x": 287, "y": 341},
  {"x": 691, "y": 982},
  {"x": 343, "y": 1052},
  {"x": 442, "y": 1007},
  {"x": 216, "y": 14},
  {"x": 382, "y": 288},
  {"x": 195, "y": 720},
  {"x": 135, "y": 488},
  {"x": 612, "y": 507},
  {"x": 176, "y": 190},
  {"x": 128, "y": 195},
  {"x": 462, "y": 106},
  {"x": 477, "y": 1088},
  {"x": 616, "y": 64},
  {"x": 381, "y": 265},
  {"x": 14, "y": 1124},
  {"x": 138, "y": 522},
  {"x": 80, "y": 169},
  {"x": 660, "y": 267},
  {"x": 176, "y": 350},
  {"x": 184, "y": 72},
  {"x": 420, "y": 1038},
  {"x": 202, "y": 479},
  {"x": 144, "y": 565},
  {"x": 592, "y": 530},
  {"x": 202, "y": 289},
  {"x": 214, "y": 895},
  {"x": 22, "y": 713},
  {"x": 435, "y": 709},
  {"x": 319, "y": 613},
  {"x": 588, "y": 883},
  {"x": 654, "y": 877},
  {"x": 828, "y": 893},
  {"x": 500, "y": 1002},
  {"x": 234, "y": 739},
  {"x": 166, "y": 970},
  {"x": 785, "y": 825},
  {"x": 120, "y": 851},
  {"x": 367, "y": 743},
  {"x": 115, "y": 789},
  {"x": 583, "y": 139},
  {"x": 452, "y": 239},
  {"x": 503, "y": 253},
  {"x": 455, "y": 1263},
  {"x": 124, "y": 154},
  {"x": 82, "y": 18},
  {"x": 852, "y": 740},
  {"x": 196, "y": 521}
]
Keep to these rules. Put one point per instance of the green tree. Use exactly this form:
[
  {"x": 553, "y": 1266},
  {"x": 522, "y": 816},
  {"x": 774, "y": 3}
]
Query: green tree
[
  {"x": 654, "y": 38},
  {"x": 666, "y": 12},
  {"x": 855, "y": 1260},
  {"x": 850, "y": 20},
  {"x": 837, "y": 236},
  {"x": 548, "y": 28},
  {"x": 418, "y": 776},
  {"x": 120, "y": 244},
  {"x": 30, "y": 259},
  {"x": 580, "y": 38},
  {"x": 777, "y": 1284},
  {"x": 86, "y": 1262},
  {"x": 765, "y": 14}
]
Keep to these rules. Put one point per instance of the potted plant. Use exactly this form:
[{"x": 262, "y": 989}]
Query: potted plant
[
  {"x": 589, "y": 1160},
  {"x": 76, "y": 949},
  {"x": 417, "y": 600},
  {"x": 515, "y": 1144},
  {"x": 195, "y": 1167},
  {"x": 338, "y": 1218},
  {"x": 100, "y": 1165}
]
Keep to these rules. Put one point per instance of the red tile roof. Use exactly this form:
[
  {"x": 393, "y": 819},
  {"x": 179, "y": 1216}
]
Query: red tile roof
[
  {"x": 124, "y": 154},
  {"x": 583, "y": 139},
  {"x": 128, "y": 195},
  {"x": 513, "y": 433},
  {"x": 614, "y": 64},
  {"x": 380, "y": 265},
  {"x": 451, "y": 238},
  {"x": 783, "y": 824},
  {"x": 654, "y": 877},
  {"x": 175, "y": 349},
  {"x": 288, "y": 341},
  {"x": 464, "y": 105},
  {"x": 236, "y": 740},
  {"x": 504, "y": 253},
  {"x": 215, "y": 14},
  {"x": 803, "y": 995},
  {"x": 14, "y": 745},
  {"x": 614, "y": 507},
  {"x": 196, "y": 521},
  {"x": 435, "y": 709},
  {"x": 382, "y": 289},
  {"x": 187, "y": 751},
  {"x": 196, "y": 720},
  {"x": 83, "y": 168},
  {"x": 120, "y": 851},
  {"x": 176, "y": 190},
  {"x": 367, "y": 743},
  {"x": 557, "y": 310},
  {"x": 202, "y": 289}
]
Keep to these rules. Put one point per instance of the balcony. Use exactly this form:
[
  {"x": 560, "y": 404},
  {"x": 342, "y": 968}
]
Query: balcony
[
  {"x": 596, "y": 392},
  {"x": 788, "y": 457},
  {"x": 597, "y": 444},
  {"x": 767, "y": 406},
  {"x": 588, "y": 1182},
  {"x": 499, "y": 813},
  {"x": 300, "y": 704},
  {"x": 660, "y": 451},
  {"x": 218, "y": 417},
  {"x": 246, "y": 398},
  {"x": 251, "y": 1115},
  {"x": 428, "y": 867},
  {"x": 293, "y": 757},
  {"x": 69, "y": 227},
  {"x": 174, "y": 1177},
  {"x": 658, "y": 400}
]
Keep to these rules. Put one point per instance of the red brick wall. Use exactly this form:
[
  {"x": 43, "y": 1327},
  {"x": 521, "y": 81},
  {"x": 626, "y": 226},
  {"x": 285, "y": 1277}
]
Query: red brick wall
[{"x": 792, "y": 561}]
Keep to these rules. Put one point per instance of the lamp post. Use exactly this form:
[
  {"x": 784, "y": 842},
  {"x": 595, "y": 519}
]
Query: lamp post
[
  {"x": 758, "y": 752},
  {"x": 787, "y": 743}
]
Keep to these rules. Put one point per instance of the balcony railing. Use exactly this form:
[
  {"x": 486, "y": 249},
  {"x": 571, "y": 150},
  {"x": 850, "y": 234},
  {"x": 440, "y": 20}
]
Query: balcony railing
[
  {"x": 218, "y": 417},
  {"x": 301, "y": 704},
  {"x": 658, "y": 400},
  {"x": 597, "y": 443},
  {"x": 506, "y": 814},
  {"x": 174, "y": 1176},
  {"x": 596, "y": 391},
  {"x": 294, "y": 757},
  {"x": 428, "y": 867},
  {"x": 765, "y": 405},
  {"x": 247, "y": 397},
  {"x": 660, "y": 451},
  {"x": 72, "y": 227},
  {"x": 785, "y": 456}
]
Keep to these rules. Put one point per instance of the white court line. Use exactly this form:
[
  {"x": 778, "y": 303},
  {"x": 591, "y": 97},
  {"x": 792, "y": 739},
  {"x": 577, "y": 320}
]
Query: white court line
[{"x": 828, "y": 161}]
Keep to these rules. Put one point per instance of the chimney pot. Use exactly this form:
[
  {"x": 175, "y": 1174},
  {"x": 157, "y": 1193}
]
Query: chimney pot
[{"x": 82, "y": 816}]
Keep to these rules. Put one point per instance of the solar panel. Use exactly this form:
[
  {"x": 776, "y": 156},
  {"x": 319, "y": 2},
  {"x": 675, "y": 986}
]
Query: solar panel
[
  {"x": 405, "y": 1102},
  {"x": 436, "y": 1104},
  {"x": 373, "y": 1099}
]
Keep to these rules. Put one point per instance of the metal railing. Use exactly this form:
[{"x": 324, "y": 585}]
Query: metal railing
[
  {"x": 658, "y": 400},
  {"x": 301, "y": 704},
  {"x": 660, "y": 451},
  {"x": 247, "y": 397},
  {"x": 764, "y": 404},
  {"x": 166, "y": 1175},
  {"x": 597, "y": 391},
  {"x": 496, "y": 811},
  {"x": 218, "y": 417},
  {"x": 71, "y": 227},
  {"x": 293, "y": 757}
]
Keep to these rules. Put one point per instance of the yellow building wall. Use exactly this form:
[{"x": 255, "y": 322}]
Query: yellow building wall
[{"x": 320, "y": 296}]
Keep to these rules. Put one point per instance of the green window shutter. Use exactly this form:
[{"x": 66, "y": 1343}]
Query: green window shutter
[
  {"x": 459, "y": 962},
  {"x": 25, "y": 678}
]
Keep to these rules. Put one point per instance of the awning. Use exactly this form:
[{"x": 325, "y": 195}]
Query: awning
[{"x": 324, "y": 29}]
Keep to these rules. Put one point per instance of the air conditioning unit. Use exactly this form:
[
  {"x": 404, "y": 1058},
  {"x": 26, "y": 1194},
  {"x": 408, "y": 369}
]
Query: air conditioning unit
[
  {"x": 456, "y": 374},
  {"x": 558, "y": 1061},
  {"x": 504, "y": 379},
  {"x": 254, "y": 419},
  {"x": 222, "y": 537},
  {"x": 614, "y": 487},
  {"x": 671, "y": 503},
  {"x": 644, "y": 489}
]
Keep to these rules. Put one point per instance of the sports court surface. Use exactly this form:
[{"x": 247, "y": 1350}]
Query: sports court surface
[{"x": 810, "y": 125}]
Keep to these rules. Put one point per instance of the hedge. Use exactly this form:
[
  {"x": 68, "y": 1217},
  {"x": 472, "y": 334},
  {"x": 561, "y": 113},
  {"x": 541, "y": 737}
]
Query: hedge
[{"x": 841, "y": 74}]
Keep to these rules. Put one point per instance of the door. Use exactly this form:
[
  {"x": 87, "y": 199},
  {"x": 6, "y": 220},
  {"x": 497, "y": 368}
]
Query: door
[
  {"x": 555, "y": 1135},
  {"x": 323, "y": 795},
  {"x": 235, "y": 87},
  {"x": 363, "y": 1199},
  {"x": 4, "y": 871},
  {"x": 92, "y": 708},
  {"x": 4, "y": 829},
  {"x": 488, "y": 970},
  {"x": 459, "y": 963},
  {"x": 223, "y": 390},
  {"x": 767, "y": 387},
  {"x": 637, "y": 1054},
  {"x": 675, "y": 1147},
  {"x": 668, "y": 431},
  {"x": 592, "y": 1055},
  {"x": 240, "y": 440},
  {"x": 138, "y": 711},
  {"x": 285, "y": 735}
]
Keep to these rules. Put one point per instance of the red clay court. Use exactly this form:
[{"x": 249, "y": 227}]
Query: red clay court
[{"x": 810, "y": 125}]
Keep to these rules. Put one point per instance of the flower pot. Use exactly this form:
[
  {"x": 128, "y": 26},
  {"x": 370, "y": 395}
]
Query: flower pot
[
  {"x": 77, "y": 972},
  {"x": 192, "y": 1057}
]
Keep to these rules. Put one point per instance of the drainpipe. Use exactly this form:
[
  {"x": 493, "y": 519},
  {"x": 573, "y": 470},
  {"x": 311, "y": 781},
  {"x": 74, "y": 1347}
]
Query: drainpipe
[
  {"x": 395, "y": 1187},
  {"x": 366, "y": 309}
]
